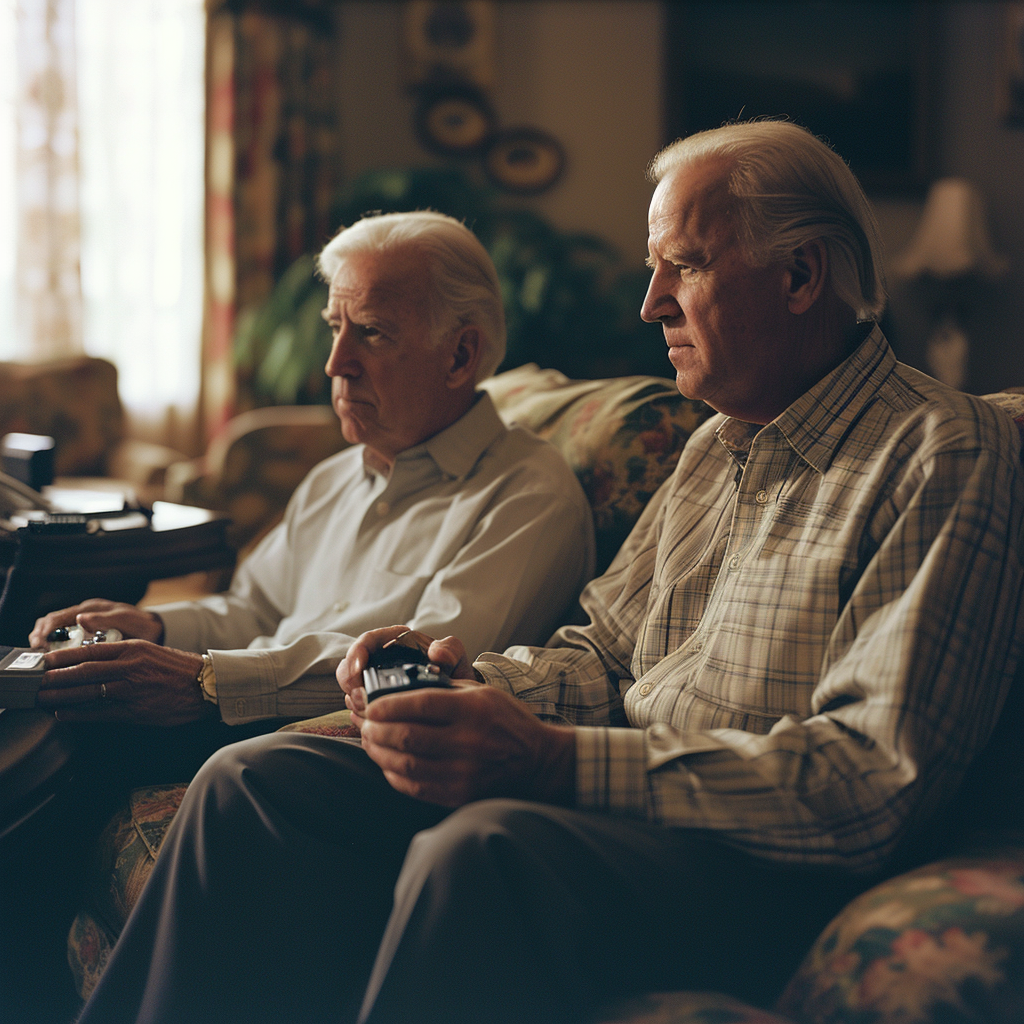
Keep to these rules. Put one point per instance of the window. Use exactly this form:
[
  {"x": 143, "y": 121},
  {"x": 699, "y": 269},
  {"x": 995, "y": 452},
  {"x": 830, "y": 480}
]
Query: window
[{"x": 135, "y": 92}]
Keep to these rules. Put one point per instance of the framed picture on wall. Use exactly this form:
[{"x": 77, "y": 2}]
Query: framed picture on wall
[{"x": 857, "y": 74}]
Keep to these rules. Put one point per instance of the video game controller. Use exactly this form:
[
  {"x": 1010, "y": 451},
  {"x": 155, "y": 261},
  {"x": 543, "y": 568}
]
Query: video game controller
[
  {"x": 397, "y": 668},
  {"x": 22, "y": 668},
  {"x": 75, "y": 636}
]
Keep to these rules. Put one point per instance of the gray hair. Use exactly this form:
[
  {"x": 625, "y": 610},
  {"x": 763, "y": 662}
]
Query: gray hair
[
  {"x": 464, "y": 284},
  {"x": 793, "y": 188}
]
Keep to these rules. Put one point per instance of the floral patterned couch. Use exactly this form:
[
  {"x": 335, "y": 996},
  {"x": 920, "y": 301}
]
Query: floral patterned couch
[{"x": 940, "y": 944}]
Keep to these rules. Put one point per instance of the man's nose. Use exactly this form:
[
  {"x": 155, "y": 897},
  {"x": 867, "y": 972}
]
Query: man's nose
[
  {"x": 341, "y": 362},
  {"x": 659, "y": 303}
]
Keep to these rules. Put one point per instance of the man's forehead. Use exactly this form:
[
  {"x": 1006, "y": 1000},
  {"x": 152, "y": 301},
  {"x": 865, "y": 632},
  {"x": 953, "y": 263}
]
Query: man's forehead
[
  {"x": 369, "y": 289},
  {"x": 691, "y": 204},
  {"x": 382, "y": 278}
]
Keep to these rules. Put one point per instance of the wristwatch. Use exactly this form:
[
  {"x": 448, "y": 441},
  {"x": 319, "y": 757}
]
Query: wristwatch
[{"x": 207, "y": 680}]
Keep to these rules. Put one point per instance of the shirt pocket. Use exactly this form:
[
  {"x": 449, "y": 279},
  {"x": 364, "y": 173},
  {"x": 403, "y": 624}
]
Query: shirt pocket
[{"x": 702, "y": 710}]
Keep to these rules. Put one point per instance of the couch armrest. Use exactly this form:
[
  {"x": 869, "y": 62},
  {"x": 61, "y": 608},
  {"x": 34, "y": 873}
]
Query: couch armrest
[
  {"x": 251, "y": 469},
  {"x": 144, "y": 465},
  {"x": 942, "y": 942}
]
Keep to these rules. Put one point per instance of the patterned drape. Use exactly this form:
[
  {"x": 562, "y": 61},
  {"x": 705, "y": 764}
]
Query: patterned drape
[
  {"x": 272, "y": 165},
  {"x": 48, "y": 281}
]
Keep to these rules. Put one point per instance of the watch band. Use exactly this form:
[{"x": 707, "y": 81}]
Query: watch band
[{"x": 207, "y": 680}]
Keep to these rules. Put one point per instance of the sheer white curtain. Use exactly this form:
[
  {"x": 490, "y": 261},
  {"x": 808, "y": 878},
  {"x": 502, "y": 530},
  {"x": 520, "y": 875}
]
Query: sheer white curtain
[
  {"x": 133, "y": 77},
  {"x": 7, "y": 176},
  {"x": 141, "y": 117}
]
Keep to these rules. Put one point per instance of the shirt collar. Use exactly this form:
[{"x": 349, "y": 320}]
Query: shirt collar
[
  {"x": 816, "y": 423},
  {"x": 456, "y": 449}
]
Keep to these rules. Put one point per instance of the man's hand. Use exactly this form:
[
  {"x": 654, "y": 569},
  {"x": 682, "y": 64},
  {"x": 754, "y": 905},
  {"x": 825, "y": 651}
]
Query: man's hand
[
  {"x": 451, "y": 746},
  {"x": 128, "y": 681},
  {"x": 97, "y": 614},
  {"x": 449, "y": 653}
]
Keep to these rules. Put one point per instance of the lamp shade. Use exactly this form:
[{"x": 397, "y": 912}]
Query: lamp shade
[{"x": 952, "y": 238}]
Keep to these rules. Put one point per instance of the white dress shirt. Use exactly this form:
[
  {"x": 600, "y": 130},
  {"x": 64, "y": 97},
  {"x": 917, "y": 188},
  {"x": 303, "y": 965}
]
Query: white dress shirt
[{"x": 481, "y": 531}]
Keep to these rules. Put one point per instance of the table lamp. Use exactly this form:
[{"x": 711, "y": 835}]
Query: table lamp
[{"x": 951, "y": 257}]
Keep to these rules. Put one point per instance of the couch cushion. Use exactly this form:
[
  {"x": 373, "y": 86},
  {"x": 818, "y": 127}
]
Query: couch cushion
[
  {"x": 123, "y": 861},
  {"x": 942, "y": 943},
  {"x": 622, "y": 436}
]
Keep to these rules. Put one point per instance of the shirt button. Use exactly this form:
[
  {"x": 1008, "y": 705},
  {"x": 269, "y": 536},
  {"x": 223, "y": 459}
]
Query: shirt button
[
  {"x": 734, "y": 562},
  {"x": 697, "y": 647},
  {"x": 383, "y": 508},
  {"x": 644, "y": 688},
  {"x": 761, "y": 497},
  {"x": 340, "y": 606}
]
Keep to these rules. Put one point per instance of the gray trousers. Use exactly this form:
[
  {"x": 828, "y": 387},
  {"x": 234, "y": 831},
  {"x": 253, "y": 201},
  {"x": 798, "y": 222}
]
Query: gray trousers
[{"x": 296, "y": 885}]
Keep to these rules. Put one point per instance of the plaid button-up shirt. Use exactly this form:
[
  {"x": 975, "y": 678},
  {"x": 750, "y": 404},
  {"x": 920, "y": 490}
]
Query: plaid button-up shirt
[{"x": 811, "y": 630}]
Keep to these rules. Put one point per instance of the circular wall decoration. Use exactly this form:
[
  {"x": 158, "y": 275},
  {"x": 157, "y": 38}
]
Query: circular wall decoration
[
  {"x": 524, "y": 160},
  {"x": 454, "y": 121}
]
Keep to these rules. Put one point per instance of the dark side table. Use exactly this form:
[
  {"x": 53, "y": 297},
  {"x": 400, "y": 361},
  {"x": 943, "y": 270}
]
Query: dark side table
[
  {"x": 39, "y": 867},
  {"x": 118, "y": 560},
  {"x": 34, "y": 757},
  {"x": 49, "y": 816}
]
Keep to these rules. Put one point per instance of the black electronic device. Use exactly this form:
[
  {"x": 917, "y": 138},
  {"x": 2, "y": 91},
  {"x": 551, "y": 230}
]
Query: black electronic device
[
  {"x": 28, "y": 458},
  {"x": 397, "y": 668}
]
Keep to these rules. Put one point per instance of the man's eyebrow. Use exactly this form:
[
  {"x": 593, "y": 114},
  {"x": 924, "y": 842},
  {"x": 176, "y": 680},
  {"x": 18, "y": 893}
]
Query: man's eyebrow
[
  {"x": 680, "y": 254},
  {"x": 373, "y": 309}
]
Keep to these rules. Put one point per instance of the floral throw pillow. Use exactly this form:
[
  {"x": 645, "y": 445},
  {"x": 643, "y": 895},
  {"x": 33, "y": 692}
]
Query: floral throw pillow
[{"x": 942, "y": 943}]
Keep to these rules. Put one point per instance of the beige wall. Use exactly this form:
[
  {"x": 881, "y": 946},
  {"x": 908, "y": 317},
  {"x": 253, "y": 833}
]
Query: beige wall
[
  {"x": 586, "y": 71},
  {"x": 589, "y": 72}
]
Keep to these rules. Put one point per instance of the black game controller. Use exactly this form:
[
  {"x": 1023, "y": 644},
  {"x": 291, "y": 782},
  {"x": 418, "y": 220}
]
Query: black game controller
[{"x": 396, "y": 668}]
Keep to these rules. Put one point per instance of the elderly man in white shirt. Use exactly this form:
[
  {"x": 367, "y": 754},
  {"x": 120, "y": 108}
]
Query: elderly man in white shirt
[{"x": 439, "y": 516}]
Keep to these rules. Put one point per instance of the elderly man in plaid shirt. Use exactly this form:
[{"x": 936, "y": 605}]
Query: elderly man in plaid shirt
[{"x": 785, "y": 674}]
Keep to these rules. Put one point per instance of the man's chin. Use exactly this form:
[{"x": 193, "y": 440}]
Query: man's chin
[
  {"x": 352, "y": 429},
  {"x": 686, "y": 380}
]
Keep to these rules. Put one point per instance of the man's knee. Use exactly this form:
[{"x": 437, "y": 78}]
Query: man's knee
[{"x": 485, "y": 836}]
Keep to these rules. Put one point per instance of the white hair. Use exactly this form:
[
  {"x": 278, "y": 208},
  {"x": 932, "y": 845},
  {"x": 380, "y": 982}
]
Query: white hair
[
  {"x": 793, "y": 188},
  {"x": 464, "y": 284}
]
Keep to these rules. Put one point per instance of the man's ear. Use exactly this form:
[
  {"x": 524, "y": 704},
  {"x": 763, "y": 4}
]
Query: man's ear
[
  {"x": 465, "y": 357},
  {"x": 806, "y": 276}
]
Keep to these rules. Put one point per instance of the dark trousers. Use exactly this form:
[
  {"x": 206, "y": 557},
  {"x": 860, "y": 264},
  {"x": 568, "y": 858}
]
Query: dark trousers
[{"x": 291, "y": 861}]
